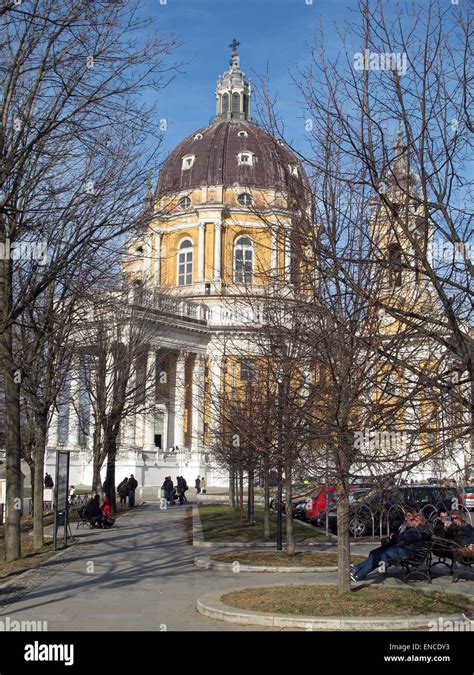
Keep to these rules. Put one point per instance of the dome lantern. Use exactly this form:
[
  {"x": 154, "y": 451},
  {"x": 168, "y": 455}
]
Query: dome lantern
[{"x": 233, "y": 90}]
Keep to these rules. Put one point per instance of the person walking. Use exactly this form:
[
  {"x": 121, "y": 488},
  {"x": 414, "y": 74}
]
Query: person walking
[
  {"x": 182, "y": 486},
  {"x": 48, "y": 482},
  {"x": 203, "y": 485},
  {"x": 122, "y": 491},
  {"x": 197, "y": 485},
  {"x": 167, "y": 488},
  {"x": 131, "y": 487}
]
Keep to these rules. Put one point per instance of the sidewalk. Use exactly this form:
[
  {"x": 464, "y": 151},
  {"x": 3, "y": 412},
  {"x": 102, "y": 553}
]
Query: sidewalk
[{"x": 139, "y": 576}]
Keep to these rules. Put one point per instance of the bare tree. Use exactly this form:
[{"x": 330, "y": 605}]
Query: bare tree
[{"x": 73, "y": 156}]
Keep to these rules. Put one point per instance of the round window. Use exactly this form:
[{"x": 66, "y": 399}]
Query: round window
[
  {"x": 184, "y": 203},
  {"x": 245, "y": 199},
  {"x": 242, "y": 134}
]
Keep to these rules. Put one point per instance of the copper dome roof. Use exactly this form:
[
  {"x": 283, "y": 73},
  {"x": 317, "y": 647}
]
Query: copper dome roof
[{"x": 216, "y": 148}]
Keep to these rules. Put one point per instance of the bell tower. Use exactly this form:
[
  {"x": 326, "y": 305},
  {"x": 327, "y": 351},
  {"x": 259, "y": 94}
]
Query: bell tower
[{"x": 233, "y": 90}]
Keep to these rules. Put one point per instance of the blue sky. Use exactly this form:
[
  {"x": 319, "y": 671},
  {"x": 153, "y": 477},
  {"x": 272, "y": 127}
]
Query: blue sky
[{"x": 270, "y": 32}]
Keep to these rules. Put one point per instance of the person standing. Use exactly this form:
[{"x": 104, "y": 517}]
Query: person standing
[
  {"x": 48, "y": 482},
  {"x": 203, "y": 485},
  {"x": 131, "y": 486},
  {"x": 167, "y": 488},
  {"x": 197, "y": 484},
  {"x": 122, "y": 491}
]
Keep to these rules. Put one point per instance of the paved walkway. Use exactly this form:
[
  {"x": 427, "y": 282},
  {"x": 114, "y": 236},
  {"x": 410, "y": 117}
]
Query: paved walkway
[{"x": 139, "y": 576}]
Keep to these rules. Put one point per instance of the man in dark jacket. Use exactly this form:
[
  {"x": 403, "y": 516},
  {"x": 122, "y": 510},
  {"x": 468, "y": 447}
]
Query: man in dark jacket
[
  {"x": 122, "y": 490},
  {"x": 167, "y": 488},
  {"x": 407, "y": 544},
  {"x": 132, "y": 486},
  {"x": 93, "y": 512},
  {"x": 460, "y": 531}
]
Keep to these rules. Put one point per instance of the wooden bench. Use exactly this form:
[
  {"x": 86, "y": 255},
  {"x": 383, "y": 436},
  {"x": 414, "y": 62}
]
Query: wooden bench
[
  {"x": 452, "y": 555},
  {"x": 418, "y": 563}
]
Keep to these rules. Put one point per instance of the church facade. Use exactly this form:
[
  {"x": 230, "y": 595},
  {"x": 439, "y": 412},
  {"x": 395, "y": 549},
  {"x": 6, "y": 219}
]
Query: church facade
[{"x": 220, "y": 220}]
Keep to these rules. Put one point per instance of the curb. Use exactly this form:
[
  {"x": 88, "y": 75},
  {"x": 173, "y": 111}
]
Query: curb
[
  {"x": 207, "y": 564},
  {"x": 211, "y": 606}
]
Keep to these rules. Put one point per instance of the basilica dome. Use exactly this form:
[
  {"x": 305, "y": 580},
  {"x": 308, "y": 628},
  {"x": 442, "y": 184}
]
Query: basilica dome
[{"x": 230, "y": 152}]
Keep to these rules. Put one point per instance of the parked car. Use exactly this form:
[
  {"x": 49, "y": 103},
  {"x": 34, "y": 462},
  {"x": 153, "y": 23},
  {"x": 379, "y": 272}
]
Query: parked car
[
  {"x": 390, "y": 504},
  {"x": 326, "y": 499},
  {"x": 300, "y": 493},
  {"x": 468, "y": 496},
  {"x": 319, "y": 501}
]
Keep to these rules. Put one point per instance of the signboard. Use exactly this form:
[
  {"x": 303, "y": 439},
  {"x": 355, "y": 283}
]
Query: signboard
[
  {"x": 61, "y": 495},
  {"x": 62, "y": 480}
]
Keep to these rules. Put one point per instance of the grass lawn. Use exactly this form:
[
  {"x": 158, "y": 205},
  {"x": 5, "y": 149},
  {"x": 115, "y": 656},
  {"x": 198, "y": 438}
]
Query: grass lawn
[
  {"x": 283, "y": 559},
  {"x": 222, "y": 523},
  {"x": 363, "y": 602}
]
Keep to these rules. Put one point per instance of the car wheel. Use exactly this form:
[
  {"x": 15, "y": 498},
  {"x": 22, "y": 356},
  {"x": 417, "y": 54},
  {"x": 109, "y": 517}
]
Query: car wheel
[{"x": 357, "y": 527}]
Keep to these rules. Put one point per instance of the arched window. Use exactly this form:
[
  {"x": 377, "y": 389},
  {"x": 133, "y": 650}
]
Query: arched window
[
  {"x": 243, "y": 261},
  {"x": 185, "y": 263},
  {"x": 235, "y": 103},
  {"x": 395, "y": 265},
  {"x": 225, "y": 103}
]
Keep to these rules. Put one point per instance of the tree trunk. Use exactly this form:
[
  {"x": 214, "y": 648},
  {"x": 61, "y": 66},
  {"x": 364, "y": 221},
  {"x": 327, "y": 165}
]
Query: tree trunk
[
  {"x": 266, "y": 500},
  {"x": 110, "y": 476},
  {"x": 241, "y": 495},
  {"x": 290, "y": 535},
  {"x": 231, "y": 487},
  {"x": 37, "y": 491},
  {"x": 251, "y": 495},
  {"x": 343, "y": 541},
  {"x": 14, "y": 497}
]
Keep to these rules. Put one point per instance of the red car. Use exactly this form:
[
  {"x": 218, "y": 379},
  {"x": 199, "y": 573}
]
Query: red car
[{"x": 318, "y": 502}]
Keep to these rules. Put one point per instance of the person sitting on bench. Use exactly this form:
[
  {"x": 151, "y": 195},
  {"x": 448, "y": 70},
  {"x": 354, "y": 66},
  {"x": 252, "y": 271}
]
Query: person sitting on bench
[
  {"x": 107, "y": 521},
  {"x": 462, "y": 533},
  {"x": 407, "y": 543},
  {"x": 93, "y": 512}
]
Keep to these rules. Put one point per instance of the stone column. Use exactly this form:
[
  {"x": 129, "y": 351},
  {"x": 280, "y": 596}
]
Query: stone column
[
  {"x": 148, "y": 418},
  {"x": 129, "y": 422},
  {"x": 197, "y": 412},
  {"x": 157, "y": 273},
  {"x": 73, "y": 405},
  {"x": 53, "y": 429},
  {"x": 148, "y": 252},
  {"x": 201, "y": 247},
  {"x": 274, "y": 254},
  {"x": 179, "y": 400},
  {"x": 215, "y": 391},
  {"x": 287, "y": 258},
  {"x": 217, "y": 250}
]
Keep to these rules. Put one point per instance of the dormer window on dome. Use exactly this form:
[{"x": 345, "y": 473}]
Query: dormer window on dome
[
  {"x": 184, "y": 203},
  {"x": 245, "y": 199},
  {"x": 242, "y": 134},
  {"x": 188, "y": 161},
  {"x": 198, "y": 137},
  {"x": 246, "y": 158},
  {"x": 293, "y": 169}
]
